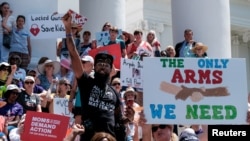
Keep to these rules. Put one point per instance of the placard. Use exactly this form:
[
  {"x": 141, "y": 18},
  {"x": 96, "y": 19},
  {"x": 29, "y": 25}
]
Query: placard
[
  {"x": 41, "y": 126},
  {"x": 195, "y": 91}
]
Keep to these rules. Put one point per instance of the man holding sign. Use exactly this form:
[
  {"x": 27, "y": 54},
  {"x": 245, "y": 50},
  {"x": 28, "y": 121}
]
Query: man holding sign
[{"x": 101, "y": 111}]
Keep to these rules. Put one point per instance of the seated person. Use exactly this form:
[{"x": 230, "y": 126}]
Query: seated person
[
  {"x": 62, "y": 92},
  {"x": 10, "y": 108}
]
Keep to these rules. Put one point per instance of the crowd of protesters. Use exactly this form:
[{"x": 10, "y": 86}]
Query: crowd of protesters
[{"x": 103, "y": 109}]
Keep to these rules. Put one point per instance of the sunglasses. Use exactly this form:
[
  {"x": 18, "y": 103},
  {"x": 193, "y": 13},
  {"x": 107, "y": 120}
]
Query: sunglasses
[
  {"x": 33, "y": 75},
  {"x": 83, "y": 62},
  {"x": 15, "y": 93},
  {"x": 63, "y": 84},
  {"x": 29, "y": 82},
  {"x": 155, "y": 128},
  {"x": 114, "y": 84}
]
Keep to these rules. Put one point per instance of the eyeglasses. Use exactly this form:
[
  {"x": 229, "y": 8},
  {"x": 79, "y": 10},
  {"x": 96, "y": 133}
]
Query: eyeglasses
[
  {"x": 29, "y": 82},
  {"x": 114, "y": 84},
  {"x": 155, "y": 128},
  {"x": 48, "y": 65}
]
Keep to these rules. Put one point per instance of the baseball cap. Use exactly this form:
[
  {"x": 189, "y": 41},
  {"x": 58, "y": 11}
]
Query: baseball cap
[
  {"x": 188, "y": 134},
  {"x": 13, "y": 87},
  {"x": 88, "y": 58},
  {"x": 104, "y": 56}
]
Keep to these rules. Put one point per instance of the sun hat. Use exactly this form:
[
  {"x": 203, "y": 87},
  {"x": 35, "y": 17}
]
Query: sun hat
[
  {"x": 129, "y": 90},
  {"x": 188, "y": 134},
  {"x": 65, "y": 63},
  {"x": 56, "y": 66},
  {"x": 199, "y": 45},
  {"x": 13, "y": 87},
  {"x": 88, "y": 58}
]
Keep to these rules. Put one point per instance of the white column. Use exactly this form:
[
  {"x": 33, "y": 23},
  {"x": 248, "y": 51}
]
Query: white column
[
  {"x": 209, "y": 20},
  {"x": 100, "y": 11}
]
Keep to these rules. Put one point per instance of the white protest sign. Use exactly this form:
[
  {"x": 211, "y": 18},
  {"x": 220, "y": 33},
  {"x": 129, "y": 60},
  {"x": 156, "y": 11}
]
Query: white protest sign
[
  {"x": 131, "y": 73},
  {"x": 195, "y": 91},
  {"x": 46, "y": 26},
  {"x": 61, "y": 108},
  {"x": 77, "y": 18}
]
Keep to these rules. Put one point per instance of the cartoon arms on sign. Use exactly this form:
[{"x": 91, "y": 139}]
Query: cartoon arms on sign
[{"x": 196, "y": 94}]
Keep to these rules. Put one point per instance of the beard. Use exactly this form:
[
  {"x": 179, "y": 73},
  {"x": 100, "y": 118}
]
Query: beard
[{"x": 102, "y": 79}]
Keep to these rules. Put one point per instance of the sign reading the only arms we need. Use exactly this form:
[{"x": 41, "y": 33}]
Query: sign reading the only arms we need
[{"x": 195, "y": 90}]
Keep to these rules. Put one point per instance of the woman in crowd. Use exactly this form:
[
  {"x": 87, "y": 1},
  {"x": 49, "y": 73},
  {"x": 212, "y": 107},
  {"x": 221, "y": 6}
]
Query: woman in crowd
[
  {"x": 10, "y": 108},
  {"x": 48, "y": 71},
  {"x": 106, "y": 26},
  {"x": 199, "y": 50},
  {"x": 29, "y": 100},
  {"x": 20, "y": 73},
  {"x": 65, "y": 70},
  {"x": 155, "y": 44},
  {"x": 102, "y": 136},
  {"x": 6, "y": 25},
  {"x": 20, "y": 42},
  {"x": 170, "y": 51},
  {"x": 6, "y": 76},
  {"x": 47, "y": 78}
]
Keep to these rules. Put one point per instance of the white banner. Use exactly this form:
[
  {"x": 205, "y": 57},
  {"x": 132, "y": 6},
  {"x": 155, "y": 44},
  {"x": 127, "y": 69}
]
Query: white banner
[
  {"x": 131, "y": 73},
  {"x": 61, "y": 108},
  {"x": 195, "y": 91},
  {"x": 44, "y": 26}
]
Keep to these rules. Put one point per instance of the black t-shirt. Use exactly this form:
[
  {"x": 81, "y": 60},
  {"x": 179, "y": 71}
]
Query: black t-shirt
[
  {"x": 98, "y": 105},
  {"x": 29, "y": 102}
]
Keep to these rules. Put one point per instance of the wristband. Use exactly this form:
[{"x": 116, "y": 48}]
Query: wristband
[{"x": 69, "y": 35}]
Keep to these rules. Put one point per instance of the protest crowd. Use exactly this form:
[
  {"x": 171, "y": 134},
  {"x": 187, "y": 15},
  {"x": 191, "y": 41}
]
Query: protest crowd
[{"x": 102, "y": 109}]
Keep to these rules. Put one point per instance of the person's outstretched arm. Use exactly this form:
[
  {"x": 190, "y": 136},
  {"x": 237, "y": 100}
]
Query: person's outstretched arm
[
  {"x": 75, "y": 58},
  {"x": 77, "y": 130}
]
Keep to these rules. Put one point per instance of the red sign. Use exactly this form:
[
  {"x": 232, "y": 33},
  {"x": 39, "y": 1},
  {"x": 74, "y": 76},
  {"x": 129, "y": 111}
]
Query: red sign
[
  {"x": 114, "y": 50},
  {"x": 44, "y": 127}
]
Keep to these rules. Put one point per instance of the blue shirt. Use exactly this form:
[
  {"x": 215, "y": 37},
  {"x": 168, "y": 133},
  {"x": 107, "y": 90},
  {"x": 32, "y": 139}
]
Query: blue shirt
[{"x": 19, "y": 42}]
